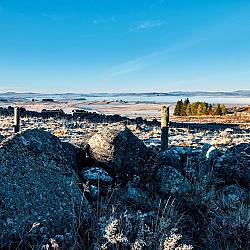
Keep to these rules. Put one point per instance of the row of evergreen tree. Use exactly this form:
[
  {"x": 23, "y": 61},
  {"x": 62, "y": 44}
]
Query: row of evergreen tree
[{"x": 198, "y": 108}]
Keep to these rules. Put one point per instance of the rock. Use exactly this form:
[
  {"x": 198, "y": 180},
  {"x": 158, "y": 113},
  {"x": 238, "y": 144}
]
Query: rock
[
  {"x": 183, "y": 151},
  {"x": 119, "y": 149},
  {"x": 210, "y": 152},
  {"x": 136, "y": 195},
  {"x": 97, "y": 182},
  {"x": 225, "y": 200},
  {"x": 40, "y": 197},
  {"x": 171, "y": 181},
  {"x": 96, "y": 174},
  {"x": 231, "y": 196},
  {"x": 234, "y": 165},
  {"x": 168, "y": 157}
]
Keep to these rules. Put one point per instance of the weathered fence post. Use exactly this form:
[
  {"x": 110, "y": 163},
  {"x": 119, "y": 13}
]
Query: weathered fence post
[
  {"x": 164, "y": 127},
  {"x": 16, "y": 119}
]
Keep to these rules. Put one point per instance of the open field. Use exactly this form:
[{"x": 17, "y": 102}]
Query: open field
[
  {"x": 130, "y": 109},
  {"x": 179, "y": 135}
]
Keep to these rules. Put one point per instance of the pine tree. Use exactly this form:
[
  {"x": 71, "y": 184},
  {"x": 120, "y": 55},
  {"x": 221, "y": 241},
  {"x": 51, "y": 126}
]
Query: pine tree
[
  {"x": 204, "y": 108},
  {"x": 223, "y": 109},
  {"x": 177, "y": 110},
  {"x": 189, "y": 110},
  {"x": 217, "y": 110},
  {"x": 184, "y": 107},
  {"x": 210, "y": 109},
  {"x": 199, "y": 109},
  {"x": 194, "y": 109},
  {"x": 181, "y": 107}
]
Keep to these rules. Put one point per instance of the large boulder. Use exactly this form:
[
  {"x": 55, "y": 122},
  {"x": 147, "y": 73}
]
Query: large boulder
[
  {"x": 171, "y": 181},
  {"x": 119, "y": 150},
  {"x": 39, "y": 192},
  {"x": 234, "y": 165}
]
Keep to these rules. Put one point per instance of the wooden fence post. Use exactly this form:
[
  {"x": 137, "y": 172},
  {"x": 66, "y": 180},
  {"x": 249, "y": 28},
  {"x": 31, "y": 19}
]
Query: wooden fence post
[
  {"x": 164, "y": 127},
  {"x": 16, "y": 120}
]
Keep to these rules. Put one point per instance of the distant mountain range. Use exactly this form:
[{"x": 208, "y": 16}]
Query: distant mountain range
[{"x": 238, "y": 93}]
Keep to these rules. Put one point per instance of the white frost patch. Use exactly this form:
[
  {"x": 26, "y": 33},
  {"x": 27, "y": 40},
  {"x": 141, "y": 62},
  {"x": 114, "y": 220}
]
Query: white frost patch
[
  {"x": 212, "y": 148},
  {"x": 96, "y": 173}
]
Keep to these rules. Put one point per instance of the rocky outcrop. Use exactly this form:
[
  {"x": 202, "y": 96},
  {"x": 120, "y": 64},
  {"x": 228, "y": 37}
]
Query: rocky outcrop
[
  {"x": 119, "y": 150},
  {"x": 40, "y": 197},
  {"x": 234, "y": 165}
]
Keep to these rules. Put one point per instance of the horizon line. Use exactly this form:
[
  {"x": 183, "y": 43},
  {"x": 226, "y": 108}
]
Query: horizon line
[{"x": 124, "y": 92}]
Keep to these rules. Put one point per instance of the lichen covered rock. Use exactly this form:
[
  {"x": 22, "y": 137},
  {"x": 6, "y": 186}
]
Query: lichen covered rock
[
  {"x": 171, "y": 181},
  {"x": 40, "y": 197},
  {"x": 119, "y": 149},
  {"x": 234, "y": 165},
  {"x": 96, "y": 174},
  {"x": 169, "y": 157}
]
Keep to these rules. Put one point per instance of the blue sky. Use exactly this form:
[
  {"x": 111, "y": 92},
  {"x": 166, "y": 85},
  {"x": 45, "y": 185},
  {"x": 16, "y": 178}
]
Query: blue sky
[{"x": 124, "y": 45}]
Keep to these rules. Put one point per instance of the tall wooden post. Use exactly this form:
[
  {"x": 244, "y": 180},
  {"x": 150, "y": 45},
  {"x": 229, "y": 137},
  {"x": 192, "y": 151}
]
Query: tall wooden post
[
  {"x": 16, "y": 119},
  {"x": 164, "y": 127}
]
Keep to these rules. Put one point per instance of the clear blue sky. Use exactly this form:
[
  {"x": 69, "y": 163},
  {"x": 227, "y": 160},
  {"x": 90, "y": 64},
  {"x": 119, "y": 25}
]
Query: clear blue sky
[{"x": 124, "y": 45}]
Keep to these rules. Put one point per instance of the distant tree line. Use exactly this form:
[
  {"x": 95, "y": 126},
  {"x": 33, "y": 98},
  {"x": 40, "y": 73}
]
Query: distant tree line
[{"x": 198, "y": 108}]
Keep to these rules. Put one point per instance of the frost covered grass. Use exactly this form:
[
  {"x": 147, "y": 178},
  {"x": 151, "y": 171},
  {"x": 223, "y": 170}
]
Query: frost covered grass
[{"x": 120, "y": 226}]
